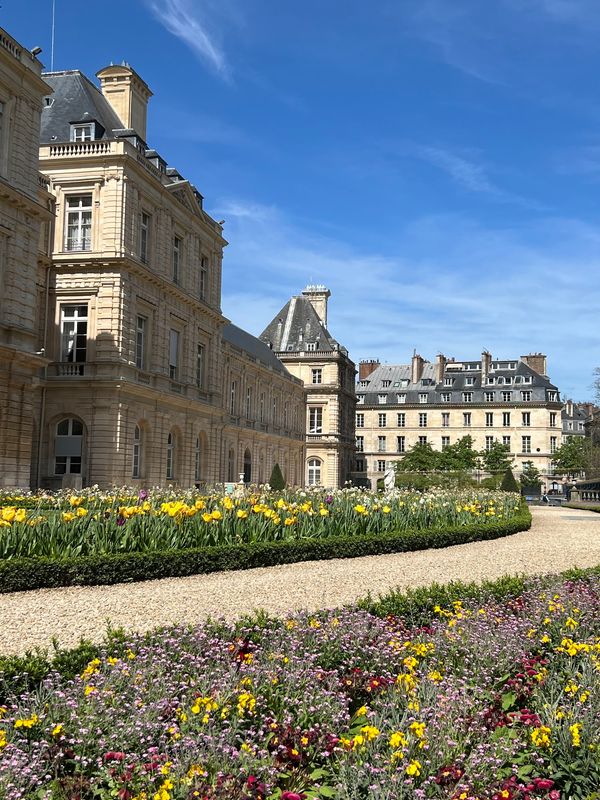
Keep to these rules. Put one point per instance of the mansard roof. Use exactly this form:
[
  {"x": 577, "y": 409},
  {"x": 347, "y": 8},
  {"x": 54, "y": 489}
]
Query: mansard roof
[
  {"x": 75, "y": 99},
  {"x": 298, "y": 328},
  {"x": 253, "y": 347}
]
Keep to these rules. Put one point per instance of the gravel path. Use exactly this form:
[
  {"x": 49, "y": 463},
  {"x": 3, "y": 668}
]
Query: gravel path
[{"x": 559, "y": 538}]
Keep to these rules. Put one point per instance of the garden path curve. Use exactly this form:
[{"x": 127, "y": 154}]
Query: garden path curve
[{"x": 559, "y": 538}]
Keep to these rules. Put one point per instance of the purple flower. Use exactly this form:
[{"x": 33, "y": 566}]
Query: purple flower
[{"x": 143, "y": 495}]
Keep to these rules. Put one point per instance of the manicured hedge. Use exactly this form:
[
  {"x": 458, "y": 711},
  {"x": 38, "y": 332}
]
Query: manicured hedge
[
  {"x": 34, "y": 573},
  {"x": 582, "y": 507}
]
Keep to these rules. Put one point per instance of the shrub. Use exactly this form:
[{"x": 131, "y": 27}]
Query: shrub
[
  {"x": 509, "y": 484},
  {"x": 277, "y": 481}
]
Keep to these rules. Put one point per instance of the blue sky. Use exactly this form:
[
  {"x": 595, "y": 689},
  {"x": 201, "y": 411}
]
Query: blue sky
[{"x": 436, "y": 163}]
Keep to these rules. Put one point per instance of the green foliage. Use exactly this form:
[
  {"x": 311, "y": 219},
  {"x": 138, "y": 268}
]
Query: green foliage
[
  {"x": 497, "y": 459},
  {"x": 459, "y": 457},
  {"x": 509, "y": 483},
  {"x": 493, "y": 482},
  {"x": 277, "y": 481},
  {"x": 531, "y": 476},
  {"x": 419, "y": 458},
  {"x": 571, "y": 457},
  {"x": 21, "y": 574}
]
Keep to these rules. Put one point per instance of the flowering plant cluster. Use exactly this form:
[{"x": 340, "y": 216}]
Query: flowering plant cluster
[
  {"x": 92, "y": 522},
  {"x": 497, "y": 701}
]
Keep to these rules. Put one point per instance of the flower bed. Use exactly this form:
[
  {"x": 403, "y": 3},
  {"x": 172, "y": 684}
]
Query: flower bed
[{"x": 496, "y": 700}]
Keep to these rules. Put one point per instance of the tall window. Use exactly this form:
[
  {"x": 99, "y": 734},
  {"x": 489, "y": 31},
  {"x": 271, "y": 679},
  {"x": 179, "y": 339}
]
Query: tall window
[
  {"x": 445, "y": 442},
  {"x": 73, "y": 332},
  {"x": 381, "y": 446},
  {"x": 400, "y": 444},
  {"x": 489, "y": 442},
  {"x": 401, "y": 420},
  {"x": 467, "y": 419},
  {"x": 445, "y": 419},
  {"x": 285, "y": 415},
  {"x": 506, "y": 441},
  {"x": 199, "y": 365},
  {"x": 176, "y": 258},
  {"x": 248, "y": 402},
  {"x": 314, "y": 472},
  {"x": 144, "y": 236},
  {"x": 317, "y": 375},
  {"x": 140, "y": 342},
  {"x": 170, "y": 457},
  {"x": 526, "y": 444},
  {"x": 553, "y": 444},
  {"x": 197, "y": 459},
  {"x": 233, "y": 397},
  {"x": 526, "y": 419},
  {"x": 79, "y": 222},
  {"x": 382, "y": 420},
  {"x": 203, "y": 288},
  {"x": 315, "y": 419},
  {"x": 68, "y": 447},
  {"x": 360, "y": 444},
  {"x": 381, "y": 466},
  {"x": 137, "y": 452},
  {"x": 261, "y": 407},
  {"x": 173, "y": 353},
  {"x": 422, "y": 440},
  {"x": 360, "y": 420},
  {"x": 506, "y": 419},
  {"x": 553, "y": 419},
  {"x": 489, "y": 419},
  {"x": 422, "y": 420}
]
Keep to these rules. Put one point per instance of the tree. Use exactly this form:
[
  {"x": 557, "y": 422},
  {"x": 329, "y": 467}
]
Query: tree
[
  {"x": 531, "y": 476},
  {"x": 459, "y": 457},
  {"x": 420, "y": 458},
  {"x": 571, "y": 457},
  {"x": 277, "y": 481},
  {"x": 497, "y": 459},
  {"x": 509, "y": 483}
]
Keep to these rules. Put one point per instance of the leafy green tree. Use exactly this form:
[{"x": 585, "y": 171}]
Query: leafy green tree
[
  {"x": 509, "y": 484},
  {"x": 277, "y": 481},
  {"x": 571, "y": 457},
  {"x": 497, "y": 459},
  {"x": 531, "y": 476},
  {"x": 459, "y": 457},
  {"x": 420, "y": 458}
]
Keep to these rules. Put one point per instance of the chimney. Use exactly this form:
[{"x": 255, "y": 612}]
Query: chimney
[
  {"x": 486, "y": 366},
  {"x": 440, "y": 367},
  {"x": 416, "y": 367},
  {"x": 317, "y": 295},
  {"x": 128, "y": 95},
  {"x": 365, "y": 368},
  {"x": 569, "y": 408},
  {"x": 537, "y": 362}
]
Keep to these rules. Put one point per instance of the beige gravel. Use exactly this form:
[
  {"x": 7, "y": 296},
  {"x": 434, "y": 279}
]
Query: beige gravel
[{"x": 559, "y": 538}]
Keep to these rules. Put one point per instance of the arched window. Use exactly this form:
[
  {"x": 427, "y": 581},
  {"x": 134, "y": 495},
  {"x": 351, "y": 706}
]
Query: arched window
[
  {"x": 314, "y": 472},
  {"x": 136, "y": 461},
  {"x": 170, "y": 456},
  {"x": 231, "y": 476},
  {"x": 68, "y": 445},
  {"x": 197, "y": 460},
  {"x": 247, "y": 466}
]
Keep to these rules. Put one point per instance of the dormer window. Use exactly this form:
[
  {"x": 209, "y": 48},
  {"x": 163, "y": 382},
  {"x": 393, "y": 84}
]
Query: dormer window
[
  {"x": 83, "y": 132},
  {"x": 469, "y": 381},
  {"x": 311, "y": 346}
]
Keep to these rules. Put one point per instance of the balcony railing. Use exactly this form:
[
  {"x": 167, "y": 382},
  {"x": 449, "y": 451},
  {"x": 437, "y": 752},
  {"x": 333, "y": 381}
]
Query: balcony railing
[
  {"x": 97, "y": 147},
  {"x": 68, "y": 369}
]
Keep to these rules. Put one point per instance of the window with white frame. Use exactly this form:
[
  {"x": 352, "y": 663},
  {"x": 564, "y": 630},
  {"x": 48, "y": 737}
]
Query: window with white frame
[
  {"x": 360, "y": 420},
  {"x": 382, "y": 420},
  {"x": 422, "y": 420},
  {"x": 360, "y": 399},
  {"x": 488, "y": 397},
  {"x": 141, "y": 325},
  {"x": 401, "y": 398},
  {"x": 176, "y": 256},
  {"x": 144, "y": 236},
  {"x": 315, "y": 419},
  {"x": 489, "y": 419},
  {"x": 248, "y": 402},
  {"x": 381, "y": 399},
  {"x": 552, "y": 397},
  {"x": 73, "y": 332},
  {"x": 506, "y": 441},
  {"x": 136, "y": 461},
  {"x": 312, "y": 346},
  {"x": 553, "y": 419},
  {"x": 401, "y": 420},
  {"x": 553, "y": 444},
  {"x": 467, "y": 419},
  {"x": 314, "y": 472},
  {"x": 446, "y": 397},
  {"x": 445, "y": 442},
  {"x": 317, "y": 375},
  {"x": 385, "y": 384},
  {"x": 400, "y": 444},
  {"x": 173, "y": 354},
  {"x": 360, "y": 444},
  {"x": 445, "y": 419},
  {"x": 78, "y": 227},
  {"x": 526, "y": 444},
  {"x": 423, "y": 397},
  {"x": 170, "y": 465},
  {"x": 506, "y": 419},
  {"x": 506, "y": 397},
  {"x": 448, "y": 381},
  {"x": 467, "y": 397},
  {"x": 381, "y": 444},
  {"x": 83, "y": 133},
  {"x": 380, "y": 466},
  {"x": 233, "y": 398},
  {"x": 422, "y": 440},
  {"x": 68, "y": 447},
  {"x": 526, "y": 419},
  {"x": 261, "y": 407},
  {"x": 203, "y": 284},
  {"x": 469, "y": 380},
  {"x": 489, "y": 442}
]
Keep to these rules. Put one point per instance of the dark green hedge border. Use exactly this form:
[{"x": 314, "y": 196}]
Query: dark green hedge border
[
  {"x": 22, "y": 574},
  {"x": 582, "y": 507}
]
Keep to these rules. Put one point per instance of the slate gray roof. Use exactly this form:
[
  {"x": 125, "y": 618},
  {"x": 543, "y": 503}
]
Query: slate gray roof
[
  {"x": 399, "y": 377},
  {"x": 255, "y": 348},
  {"x": 297, "y": 325},
  {"x": 75, "y": 98}
]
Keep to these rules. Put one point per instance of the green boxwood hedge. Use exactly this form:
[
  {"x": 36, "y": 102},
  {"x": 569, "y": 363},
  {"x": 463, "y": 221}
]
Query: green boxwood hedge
[
  {"x": 582, "y": 507},
  {"x": 35, "y": 573}
]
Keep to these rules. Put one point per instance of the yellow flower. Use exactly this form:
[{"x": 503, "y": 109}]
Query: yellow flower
[
  {"x": 68, "y": 516},
  {"x": 28, "y": 722},
  {"x": 323, "y": 512},
  {"x": 20, "y": 515},
  {"x": 414, "y": 769},
  {"x": 241, "y": 514},
  {"x": 398, "y": 739},
  {"x": 541, "y": 736},
  {"x": 57, "y": 730},
  {"x": 418, "y": 728},
  {"x": 81, "y": 512},
  {"x": 386, "y": 510},
  {"x": 370, "y": 732},
  {"x": 362, "y": 711},
  {"x": 216, "y": 515},
  {"x": 575, "y": 731},
  {"x": 75, "y": 501}
]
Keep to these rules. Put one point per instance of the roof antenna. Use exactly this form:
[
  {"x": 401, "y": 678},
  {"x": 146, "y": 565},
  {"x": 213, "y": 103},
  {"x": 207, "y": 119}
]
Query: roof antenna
[{"x": 53, "y": 31}]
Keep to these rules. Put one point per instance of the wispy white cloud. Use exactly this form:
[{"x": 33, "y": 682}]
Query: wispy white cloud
[
  {"x": 188, "y": 21},
  {"x": 457, "y": 287}
]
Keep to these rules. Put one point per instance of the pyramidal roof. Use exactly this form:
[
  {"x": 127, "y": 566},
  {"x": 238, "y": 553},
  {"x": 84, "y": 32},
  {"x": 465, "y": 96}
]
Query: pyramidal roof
[{"x": 298, "y": 328}]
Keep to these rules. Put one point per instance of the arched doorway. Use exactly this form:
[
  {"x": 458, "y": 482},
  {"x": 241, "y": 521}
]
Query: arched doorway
[{"x": 247, "y": 466}]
